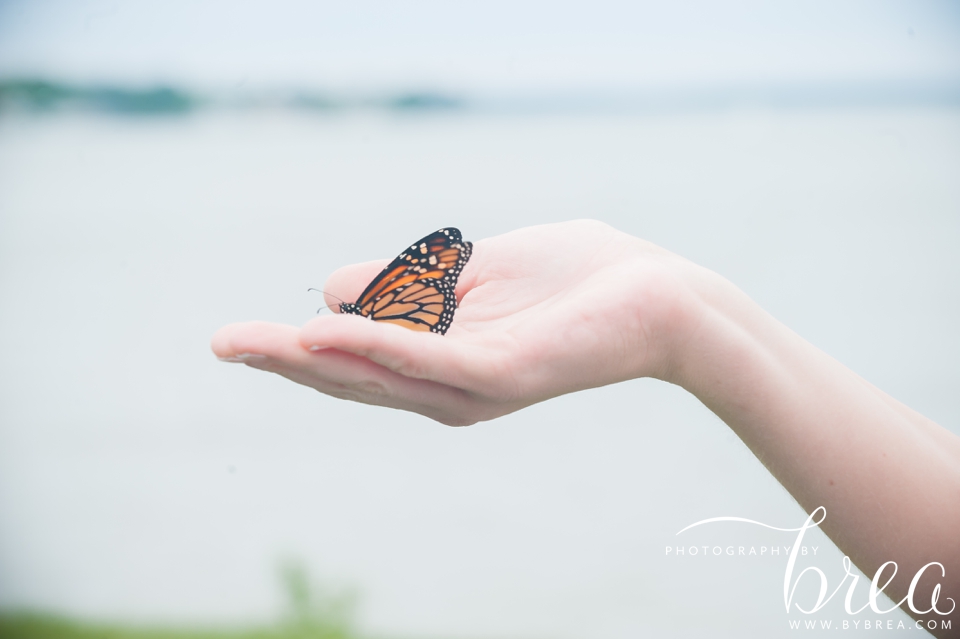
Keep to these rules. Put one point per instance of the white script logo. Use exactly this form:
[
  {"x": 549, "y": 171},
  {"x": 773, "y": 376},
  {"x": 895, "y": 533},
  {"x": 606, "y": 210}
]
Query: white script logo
[{"x": 790, "y": 583}]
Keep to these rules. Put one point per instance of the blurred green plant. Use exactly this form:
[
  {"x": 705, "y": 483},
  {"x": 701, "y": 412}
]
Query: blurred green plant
[
  {"x": 38, "y": 626},
  {"x": 312, "y": 613}
]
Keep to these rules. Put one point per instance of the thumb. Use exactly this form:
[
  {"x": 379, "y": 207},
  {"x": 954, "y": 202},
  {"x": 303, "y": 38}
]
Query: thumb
[{"x": 346, "y": 283}]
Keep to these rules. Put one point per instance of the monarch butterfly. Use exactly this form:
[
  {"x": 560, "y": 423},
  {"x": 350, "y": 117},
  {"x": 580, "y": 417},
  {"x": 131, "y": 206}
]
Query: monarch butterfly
[{"x": 416, "y": 290}]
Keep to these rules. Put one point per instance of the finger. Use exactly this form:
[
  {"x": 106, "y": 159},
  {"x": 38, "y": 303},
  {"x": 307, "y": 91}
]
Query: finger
[
  {"x": 276, "y": 348},
  {"x": 462, "y": 363},
  {"x": 237, "y": 342},
  {"x": 357, "y": 379}
]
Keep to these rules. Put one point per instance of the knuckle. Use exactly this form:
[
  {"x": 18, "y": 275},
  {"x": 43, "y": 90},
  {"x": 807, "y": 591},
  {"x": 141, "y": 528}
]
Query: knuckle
[
  {"x": 370, "y": 388},
  {"x": 410, "y": 368},
  {"x": 363, "y": 392},
  {"x": 345, "y": 394}
]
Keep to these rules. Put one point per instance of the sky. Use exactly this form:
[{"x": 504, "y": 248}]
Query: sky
[{"x": 494, "y": 45}]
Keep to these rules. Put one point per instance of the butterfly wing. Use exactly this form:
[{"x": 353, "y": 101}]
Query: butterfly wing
[{"x": 416, "y": 290}]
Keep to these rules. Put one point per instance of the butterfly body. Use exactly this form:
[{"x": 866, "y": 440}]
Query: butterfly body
[{"x": 416, "y": 290}]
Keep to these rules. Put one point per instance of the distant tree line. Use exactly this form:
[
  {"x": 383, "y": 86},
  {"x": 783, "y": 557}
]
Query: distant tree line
[{"x": 39, "y": 95}]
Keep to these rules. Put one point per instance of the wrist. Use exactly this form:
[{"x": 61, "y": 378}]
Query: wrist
[{"x": 710, "y": 328}]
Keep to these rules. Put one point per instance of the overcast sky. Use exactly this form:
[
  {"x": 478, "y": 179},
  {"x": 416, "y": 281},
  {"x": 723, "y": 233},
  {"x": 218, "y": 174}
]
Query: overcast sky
[{"x": 482, "y": 46}]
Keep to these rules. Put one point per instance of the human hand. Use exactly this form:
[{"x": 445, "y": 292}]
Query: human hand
[
  {"x": 543, "y": 311},
  {"x": 553, "y": 309}
]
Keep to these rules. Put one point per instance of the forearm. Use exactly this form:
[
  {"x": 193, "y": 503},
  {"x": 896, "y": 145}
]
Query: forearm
[{"x": 888, "y": 477}]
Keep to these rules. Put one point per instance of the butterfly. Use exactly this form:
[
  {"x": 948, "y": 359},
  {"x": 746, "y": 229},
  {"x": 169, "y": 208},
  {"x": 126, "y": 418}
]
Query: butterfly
[{"x": 416, "y": 290}]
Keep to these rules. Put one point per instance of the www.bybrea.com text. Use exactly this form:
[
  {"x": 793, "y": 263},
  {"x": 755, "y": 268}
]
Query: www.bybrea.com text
[{"x": 870, "y": 624}]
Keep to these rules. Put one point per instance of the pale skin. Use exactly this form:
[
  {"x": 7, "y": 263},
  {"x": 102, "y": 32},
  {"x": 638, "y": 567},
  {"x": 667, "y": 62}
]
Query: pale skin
[{"x": 559, "y": 308}]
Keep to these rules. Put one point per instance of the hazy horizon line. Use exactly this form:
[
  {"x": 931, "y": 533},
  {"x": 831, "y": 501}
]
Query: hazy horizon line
[{"x": 40, "y": 94}]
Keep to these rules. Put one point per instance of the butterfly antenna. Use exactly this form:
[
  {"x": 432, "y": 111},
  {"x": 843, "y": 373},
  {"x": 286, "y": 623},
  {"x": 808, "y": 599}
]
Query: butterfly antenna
[{"x": 328, "y": 306}]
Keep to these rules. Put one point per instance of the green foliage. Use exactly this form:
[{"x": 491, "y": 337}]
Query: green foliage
[
  {"x": 424, "y": 101},
  {"x": 36, "y": 626},
  {"x": 37, "y": 94},
  {"x": 42, "y": 95},
  {"x": 313, "y": 613}
]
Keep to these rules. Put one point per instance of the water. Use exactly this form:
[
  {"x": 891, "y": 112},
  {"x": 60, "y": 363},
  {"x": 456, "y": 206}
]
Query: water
[{"x": 141, "y": 479}]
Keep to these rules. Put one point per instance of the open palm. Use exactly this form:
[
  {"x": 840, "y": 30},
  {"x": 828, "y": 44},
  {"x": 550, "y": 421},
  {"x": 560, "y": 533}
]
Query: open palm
[{"x": 543, "y": 311}]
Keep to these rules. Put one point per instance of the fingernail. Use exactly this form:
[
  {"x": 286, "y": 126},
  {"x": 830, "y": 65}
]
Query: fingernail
[{"x": 236, "y": 360}]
